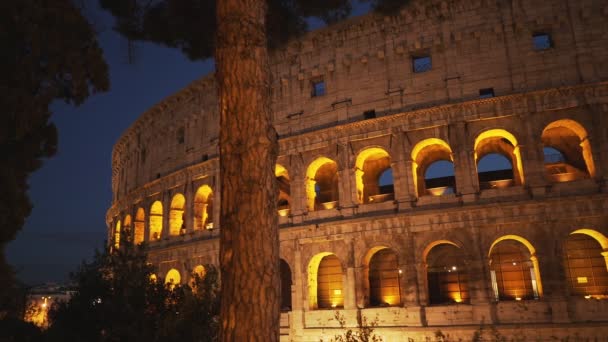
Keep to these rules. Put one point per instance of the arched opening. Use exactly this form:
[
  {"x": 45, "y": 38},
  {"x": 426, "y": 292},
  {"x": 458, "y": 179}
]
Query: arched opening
[
  {"x": 156, "y": 220},
  {"x": 322, "y": 184},
  {"x": 126, "y": 229},
  {"x": 117, "y": 232},
  {"x": 284, "y": 187},
  {"x": 173, "y": 278},
  {"x": 567, "y": 152},
  {"x": 203, "y": 208},
  {"x": 374, "y": 177},
  {"x": 498, "y": 160},
  {"x": 439, "y": 178},
  {"x": 586, "y": 266},
  {"x": 514, "y": 269},
  {"x": 176, "y": 215},
  {"x": 138, "y": 234},
  {"x": 432, "y": 167},
  {"x": 198, "y": 274},
  {"x": 447, "y": 274},
  {"x": 325, "y": 289},
  {"x": 285, "y": 286},
  {"x": 384, "y": 286}
]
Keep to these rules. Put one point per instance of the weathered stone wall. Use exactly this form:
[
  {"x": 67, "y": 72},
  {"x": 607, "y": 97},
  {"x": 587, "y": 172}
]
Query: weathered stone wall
[{"x": 366, "y": 64}]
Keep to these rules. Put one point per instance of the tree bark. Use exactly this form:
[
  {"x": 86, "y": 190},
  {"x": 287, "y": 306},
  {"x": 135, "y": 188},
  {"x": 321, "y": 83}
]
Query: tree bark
[{"x": 249, "y": 245}]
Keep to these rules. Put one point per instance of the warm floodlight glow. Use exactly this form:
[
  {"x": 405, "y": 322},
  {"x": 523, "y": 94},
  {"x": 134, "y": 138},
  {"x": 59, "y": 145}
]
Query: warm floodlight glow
[
  {"x": 203, "y": 207},
  {"x": 156, "y": 220},
  {"x": 176, "y": 214},
  {"x": 283, "y": 212}
]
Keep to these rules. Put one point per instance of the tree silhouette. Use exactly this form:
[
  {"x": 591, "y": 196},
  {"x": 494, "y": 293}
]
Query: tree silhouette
[
  {"x": 49, "y": 52},
  {"x": 238, "y": 34}
]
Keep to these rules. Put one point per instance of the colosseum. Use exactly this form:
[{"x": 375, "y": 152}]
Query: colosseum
[{"x": 442, "y": 172}]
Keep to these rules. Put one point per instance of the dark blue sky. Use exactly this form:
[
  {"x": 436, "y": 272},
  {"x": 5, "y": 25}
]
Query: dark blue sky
[{"x": 72, "y": 191}]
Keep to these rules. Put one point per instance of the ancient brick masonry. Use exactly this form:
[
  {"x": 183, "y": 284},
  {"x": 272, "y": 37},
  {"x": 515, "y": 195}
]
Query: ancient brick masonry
[{"x": 440, "y": 169}]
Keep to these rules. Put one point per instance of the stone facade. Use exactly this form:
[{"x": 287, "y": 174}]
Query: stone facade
[{"x": 512, "y": 78}]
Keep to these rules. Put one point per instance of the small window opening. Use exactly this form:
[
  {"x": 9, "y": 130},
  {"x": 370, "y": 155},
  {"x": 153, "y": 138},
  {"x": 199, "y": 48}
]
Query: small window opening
[
  {"x": 157, "y": 175},
  {"x": 422, "y": 63},
  {"x": 486, "y": 93},
  {"x": 369, "y": 114},
  {"x": 318, "y": 88},
  {"x": 205, "y": 157},
  {"x": 542, "y": 41},
  {"x": 181, "y": 135}
]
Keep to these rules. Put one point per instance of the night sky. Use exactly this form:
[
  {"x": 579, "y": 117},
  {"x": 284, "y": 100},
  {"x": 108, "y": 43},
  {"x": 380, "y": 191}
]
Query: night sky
[{"x": 72, "y": 191}]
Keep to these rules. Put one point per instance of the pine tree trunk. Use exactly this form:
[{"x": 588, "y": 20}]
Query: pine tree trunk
[{"x": 249, "y": 247}]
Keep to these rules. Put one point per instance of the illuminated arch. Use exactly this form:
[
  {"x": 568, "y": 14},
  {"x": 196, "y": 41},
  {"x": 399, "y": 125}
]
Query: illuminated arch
[
  {"x": 370, "y": 164},
  {"x": 284, "y": 185},
  {"x": 127, "y": 222},
  {"x": 176, "y": 214},
  {"x": 507, "y": 258},
  {"x": 117, "y": 232},
  {"x": 430, "y": 246},
  {"x": 586, "y": 262},
  {"x": 499, "y": 141},
  {"x": 322, "y": 173},
  {"x": 203, "y": 207},
  {"x": 447, "y": 273},
  {"x": 425, "y": 153},
  {"x": 199, "y": 272},
  {"x": 382, "y": 276},
  {"x": 138, "y": 234},
  {"x": 173, "y": 278},
  {"x": 156, "y": 220},
  {"x": 601, "y": 238},
  {"x": 575, "y": 159},
  {"x": 325, "y": 283}
]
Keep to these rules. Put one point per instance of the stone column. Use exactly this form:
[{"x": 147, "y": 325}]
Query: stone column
[
  {"x": 298, "y": 199},
  {"x": 480, "y": 281},
  {"x": 166, "y": 200},
  {"x": 189, "y": 207},
  {"x": 350, "y": 301},
  {"x": 552, "y": 285},
  {"x": 146, "y": 206},
  {"x": 465, "y": 170},
  {"x": 405, "y": 193},
  {"x": 599, "y": 143}
]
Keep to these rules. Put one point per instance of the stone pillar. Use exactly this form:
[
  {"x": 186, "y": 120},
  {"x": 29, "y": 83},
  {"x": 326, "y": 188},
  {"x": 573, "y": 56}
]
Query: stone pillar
[
  {"x": 189, "y": 207},
  {"x": 346, "y": 188},
  {"x": 421, "y": 280},
  {"x": 480, "y": 281},
  {"x": 299, "y": 302},
  {"x": 350, "y": 301},
  {"x": 146, "y": 207},
  {"x": 552, "y": 285},
  {"x": 599, "y": 144},
  {"x": 298, "y": 199},
  {"x": 166, "y": 201},
  {"x": 465, "y": 170},
  {"x": 533, "y": 160}
]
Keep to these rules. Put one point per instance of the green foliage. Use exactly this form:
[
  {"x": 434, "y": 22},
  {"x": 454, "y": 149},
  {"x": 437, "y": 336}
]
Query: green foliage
[
  {"x": 116, "y": 300},
  {"x": 49, "y": 52},
  {"x": 363, "y": 333}
]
